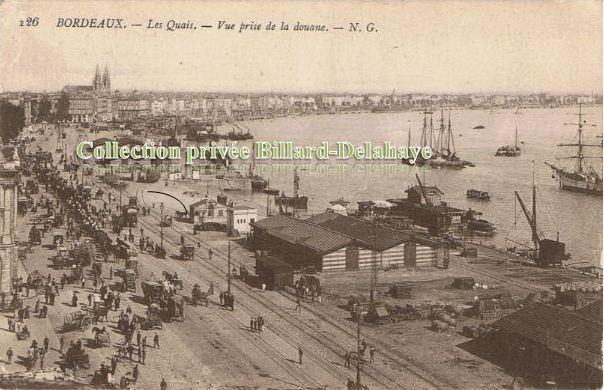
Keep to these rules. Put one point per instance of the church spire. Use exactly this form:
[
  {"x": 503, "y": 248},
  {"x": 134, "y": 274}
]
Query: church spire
[{"x": 106, "y": 78}]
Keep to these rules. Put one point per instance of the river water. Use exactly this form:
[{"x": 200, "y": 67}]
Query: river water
[{"x": 577, "y": 217}]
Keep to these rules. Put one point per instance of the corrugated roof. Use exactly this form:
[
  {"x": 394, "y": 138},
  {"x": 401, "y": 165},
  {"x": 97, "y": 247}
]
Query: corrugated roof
[
  {"x": 296, "y": 231},
  {"x": 361, "y": 230},
  {"x": 563, "y": 331},
  {"x": 593, "y": 311}
]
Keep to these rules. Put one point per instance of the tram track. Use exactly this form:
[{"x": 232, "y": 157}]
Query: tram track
[
  {"x": 337, "y": 351},
  {"x": 394, "y": 356}
]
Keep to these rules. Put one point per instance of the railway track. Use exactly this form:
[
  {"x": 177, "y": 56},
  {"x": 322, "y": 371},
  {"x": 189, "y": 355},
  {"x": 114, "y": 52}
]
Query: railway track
[
  {"x": 387, "y": 351},
  {"x": 247, "y": 300}
]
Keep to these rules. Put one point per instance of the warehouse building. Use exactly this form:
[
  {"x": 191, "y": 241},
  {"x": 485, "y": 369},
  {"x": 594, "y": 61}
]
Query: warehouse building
[
  {"x": 335, "y": 242},
  {"x": 550, "y": 344}
]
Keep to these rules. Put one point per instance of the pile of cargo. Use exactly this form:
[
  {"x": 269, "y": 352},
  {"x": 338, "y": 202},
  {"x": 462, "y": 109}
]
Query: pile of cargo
[{"x": 577, "y": 294}]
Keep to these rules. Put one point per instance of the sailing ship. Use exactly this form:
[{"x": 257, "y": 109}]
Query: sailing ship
[
  {"x": 510, "y": 150},
  {"x": 296, "y": 201},
  {"x": 442, "y": 143},
  {"x": 583, "y": 178}
]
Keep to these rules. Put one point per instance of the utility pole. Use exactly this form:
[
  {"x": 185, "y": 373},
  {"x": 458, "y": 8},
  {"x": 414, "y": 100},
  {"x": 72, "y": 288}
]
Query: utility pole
[
  {"x": 359, "y": 312},
  {"x": 358, "y": 381},
  {"x": 229, "y": 270},
  {"x": 374, "y": 266},
  {"x": 161, "y": 225}
]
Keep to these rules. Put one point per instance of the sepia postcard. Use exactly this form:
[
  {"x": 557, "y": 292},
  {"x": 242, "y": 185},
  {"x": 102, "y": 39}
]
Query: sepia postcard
[{"x": 301, "y": 194}]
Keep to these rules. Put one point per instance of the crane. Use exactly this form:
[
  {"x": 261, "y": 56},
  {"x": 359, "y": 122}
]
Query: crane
[{"x": 537, "y": 236}]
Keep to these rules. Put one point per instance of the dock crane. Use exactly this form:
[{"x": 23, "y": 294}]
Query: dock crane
[
  {"x": 547, "y": 252},
  {"x": 437, "y": 221}
]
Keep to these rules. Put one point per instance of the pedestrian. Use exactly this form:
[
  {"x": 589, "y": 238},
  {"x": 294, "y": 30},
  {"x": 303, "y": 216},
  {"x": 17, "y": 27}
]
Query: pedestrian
[
  {"x": 371, "y": 353},
  {"x": 83, "y": 282},
  {"x": 300, "y": 353},
  {"x": 113, "y": 364},
  {"x": 117, "y": 301},
  {"x": 74, "y": 300},
  {"x": 10, "y": 324},
  {"x": 163, "y": 385},
  {"x": 42, "y": 352},
  {"x": 46, "y": 342},
  {"x": 9, "y": 355},
  {"x": 135, "y": 373},
  {"x": 221, "y": 296},
  {"x": 346, "y": 359},
  {"x": 156, "y": 341},
  {"x": 298, "y": 304}
]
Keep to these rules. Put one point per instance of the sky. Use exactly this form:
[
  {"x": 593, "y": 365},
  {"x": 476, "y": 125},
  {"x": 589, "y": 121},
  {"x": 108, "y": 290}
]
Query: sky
[{"x": 419, "y": 46}]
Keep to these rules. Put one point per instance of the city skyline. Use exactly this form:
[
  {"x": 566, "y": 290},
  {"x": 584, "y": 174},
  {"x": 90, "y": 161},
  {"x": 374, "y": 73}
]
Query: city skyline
[{"x": 431, "y": 48}]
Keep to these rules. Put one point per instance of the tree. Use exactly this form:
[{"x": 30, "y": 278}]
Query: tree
[
  {"x": 12, "y": 120},
  {"x": 63, "y": 107},
  {"x": 44, "y": 110}
]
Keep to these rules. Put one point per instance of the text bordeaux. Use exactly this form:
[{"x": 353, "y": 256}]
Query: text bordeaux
[{"x": 91, "y": 23}]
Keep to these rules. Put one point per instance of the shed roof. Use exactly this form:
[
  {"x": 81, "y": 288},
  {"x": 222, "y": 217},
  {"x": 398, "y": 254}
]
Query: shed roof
[
  {"x": 563, "y": 331},
  {"x": 304, "y": 233},
  {"x": 361, "y": 230}
]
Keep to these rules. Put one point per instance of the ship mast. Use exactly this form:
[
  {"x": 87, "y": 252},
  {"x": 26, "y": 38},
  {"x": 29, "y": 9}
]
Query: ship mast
[
  {"x": 580, "y": 144},
  {"x": 451, "y": 139},
  {"x": 296, "y": 182},
  {"x": 423, "y": 139}
]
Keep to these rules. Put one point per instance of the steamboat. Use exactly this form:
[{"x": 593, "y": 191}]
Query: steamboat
[{"x": 296, "y": 201}]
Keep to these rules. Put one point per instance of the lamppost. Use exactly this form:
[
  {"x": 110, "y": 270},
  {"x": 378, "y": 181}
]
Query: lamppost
[{"x": 161, "y": 226}]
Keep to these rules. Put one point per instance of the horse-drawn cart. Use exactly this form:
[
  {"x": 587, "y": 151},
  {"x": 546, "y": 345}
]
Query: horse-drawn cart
[
  {"x": 198, "y": 296},
  {"x": 77, "y": 321},
  {"x": 187, "y": 252},
  {"x": 153, "y": 319},
  {"x": 101, "y": 338},
  {"x": 173, "y": 279}
]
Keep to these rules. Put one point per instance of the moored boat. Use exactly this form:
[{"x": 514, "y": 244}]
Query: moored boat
[
  {"x": 477, "y": 194},
  {"x": 582, "y": 178}
]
